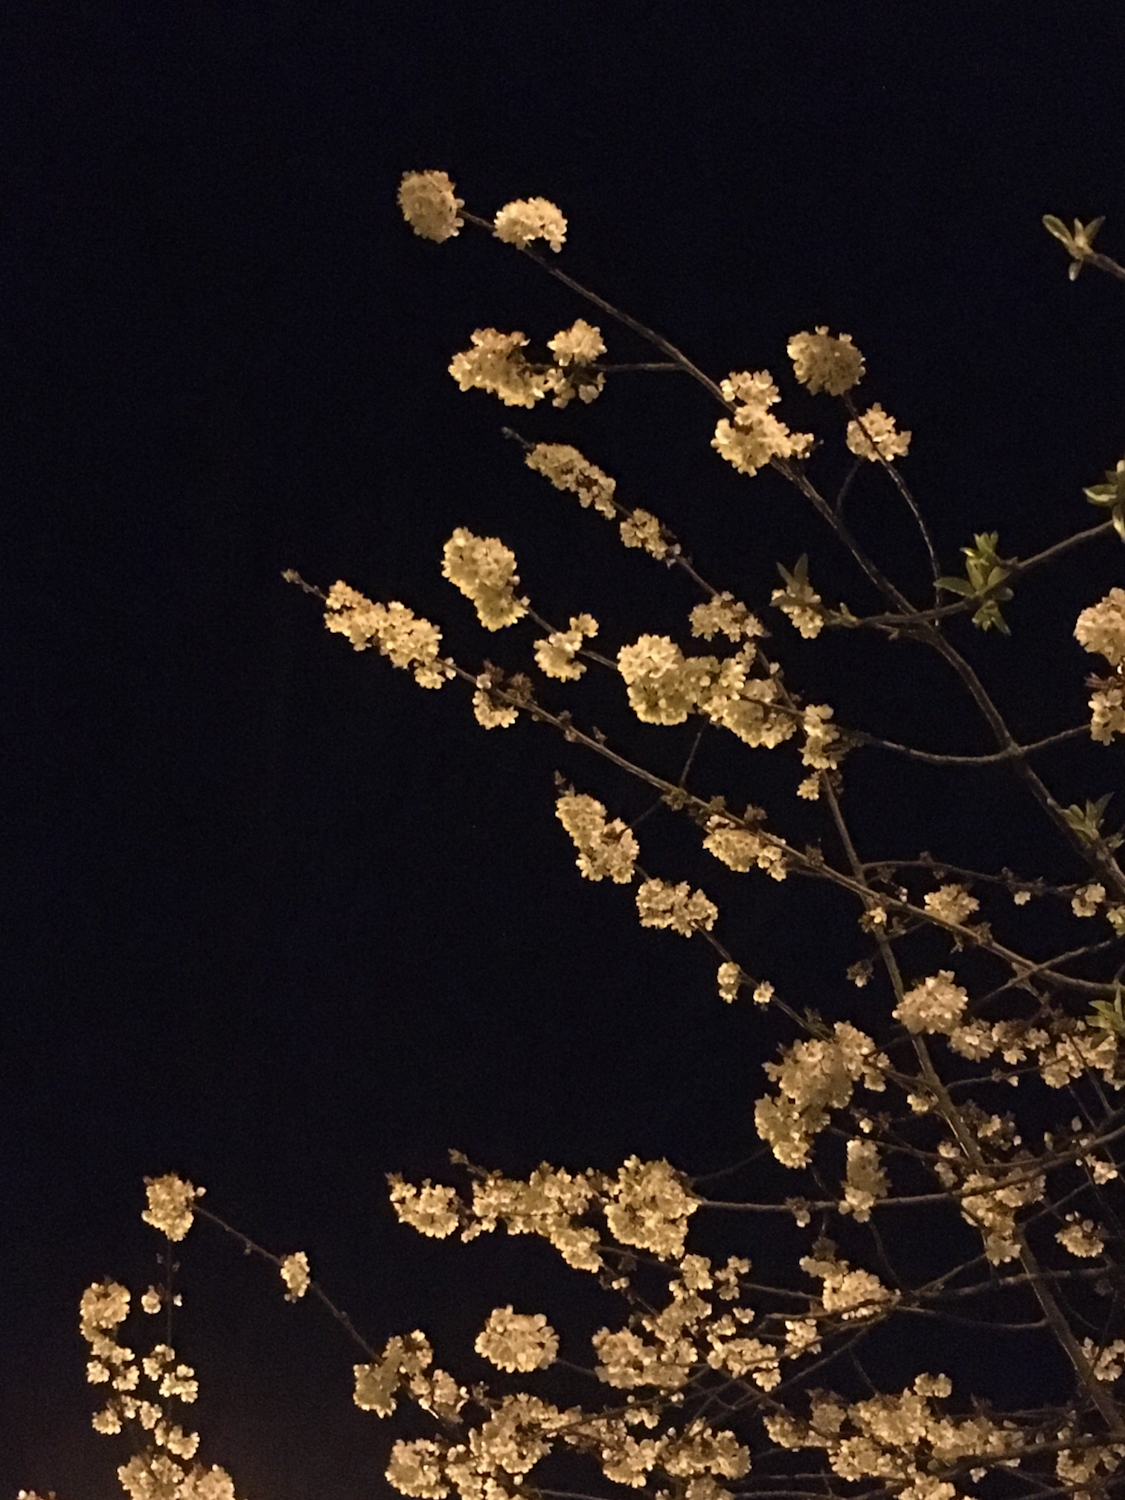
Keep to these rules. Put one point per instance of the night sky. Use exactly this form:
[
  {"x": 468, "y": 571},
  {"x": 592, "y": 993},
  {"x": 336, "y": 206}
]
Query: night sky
[{"x": 280, "y": 921}]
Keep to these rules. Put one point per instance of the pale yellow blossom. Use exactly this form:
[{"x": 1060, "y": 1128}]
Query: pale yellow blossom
[
  {"x": 566, "y": 469},
  {"x": 606, "y": 851},
  {"x": 685, "y": 911},
  {"x": 528, "y": 219},
  {"x": 517, "y": 1341},
  {"x": 429, "y": 205},
  {"x": 824, "y": 363},
  {"x": 485, "y": 572},
  {"x": 295, "y": 1274},
  {"x": 873, "y": 436}
]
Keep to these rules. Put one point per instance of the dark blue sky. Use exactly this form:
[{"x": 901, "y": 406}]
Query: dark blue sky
[{"x": 275, "y": 918}]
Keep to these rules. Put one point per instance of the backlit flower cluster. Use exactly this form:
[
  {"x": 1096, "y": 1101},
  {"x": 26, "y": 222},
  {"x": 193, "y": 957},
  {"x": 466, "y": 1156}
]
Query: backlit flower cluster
[
  {"x": 606, "y": 851},
  {"x": 951, "y": 903},
  {"x": 555, "y": 655},
  {"x": 725, "y": 615},
  {"x": 429, "y": 205},
  {"x": 1101, "y": 629},
  {"x": 935, "y": 1005},
  {"x": 753, "y": 435},
  {"x": 170, "y": 1202},
  {"x": 873, "y": 436},
  {"x": 408, "y": 640},
  {"x": 739, "y": 847},
  {"x": 295, "y": 1274},
  {"x": 661, "y": 904},
  {"x": 664, "y": 686},
  {"x": 814, "y": 1077},
  {"x": 497, "y": 364},
  {"x": 517, "y": 1341},
  {"x": 485, "y": 572},
  {"x": 566, "y": 469},
  {"x": 824, "y": 363},
  {"x": 529, "y": 219},
  {"x": 800, "y": 603}
]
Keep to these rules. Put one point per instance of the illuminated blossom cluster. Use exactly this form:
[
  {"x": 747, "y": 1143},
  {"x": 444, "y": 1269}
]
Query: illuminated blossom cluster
[
  {"x": 1087, "y": 899},
  {"x": 661, "y": 904},
  {"x": 432, "y": 1211},
  {"x": 851, "y": 1294},
  {"x": 935, "y": 1005},
  {"x": 753, "y": 436},
  {"x": 517, "y": 1341},
  {"x": 821, "y": 749},
  {"x": 641, "y": 529},
  {"x": 1082, "y": 1237},
  {"x": 824, "y": 363},
  {"x": 866, "y": 1182},
  {"x": 739, "y": 848},
  {"x": 814, "y": 1077},
  {"x": 555, "y": 655},
  {"x": 429, "y": 205},
  {"x": 496, "y": 364},
  {"x": 377, "y": 1384},
  {"x": 529, "y": 219},
  {"x": 729, "y": 980},
  {"x": 1101, "y": 629},
  {"x": 606, "y": 851},
  {"x": 490, "y": 711},
  {"x": 580, "y": 344},
  {"x": 408, "y": 640},
  {"x": 648, "y": 1206},
  {"x": 485, "y": 572},
  {"x": 724, "y": 615},
  {"x": 170, "y": 1202},
  {"x": 951, "y": 903},
  {"x": 897, "y": 1441},
  {"x": 800, "y": 603},
  {"x": 664, "y": 686},
  {"x": 566, "y": 469},
  {"x": 873, "y": 436},
  {"x": 295, "y": 1274},
  {"x": 991, "y": 1200}
]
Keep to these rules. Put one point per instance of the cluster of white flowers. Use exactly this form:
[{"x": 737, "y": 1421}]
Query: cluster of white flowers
[
  {"x": 377, "y": 1384},
  {"x": 517, "y": 1341},
  {"x": 496, "y": 364},
  {"x": 815, "y": 1076},
  {"x": 408, "y": 640},
  {"x": 606, "y": 851},
  {"x": 1106, "y": 1362},
  {"x": 547, "y": 1204},
  {"x": 897, "y": 1440},
  {"x": 580, "y": 344},
  {"x": 1066, "y": 1048},
  {"x": 754, "y": 436},
  {"x": 664, "y": 686},
  {"x": 170, "y": 1202},
  {"x": 820, "y": 737},
  {"x": 729, "y": 980},
  {"x": 866, "y": 1181},
  {"x": 991, "y": 1200},
  {"x": 851, "y": 1294},
  {"x": 566, "y": 469},
  {"x": 530, "y": 219},
  {"x": 431, "y": 1210},
  {"x": 642, "y": 529},
  {"x": 723, "y": 614},
  {"x": 824, "y": 363},
  {"x": 951, "y": 903},
  {"x": 800, "y": 603},
  {"x": 295, "y": 1274},
  {"x": 935, "y": 1005},
  {"x": 661, "y": 904},
  {"x": 648, "y": 1206},
  {"x": 158, "y": 1476},
  {"x": 1087, "y": 899},
  {"x": 429, "y": 205},
  {"x": 555, "y": 655},
  {"x": 1101, "y": 629},
  {"x": 1082, "y": 1237},
  {"x": 873, "y": 436},
  {"x": 739, "y": 848},
  {"x": 489, "y": 711},
  {"x": 485, "y": 572}
]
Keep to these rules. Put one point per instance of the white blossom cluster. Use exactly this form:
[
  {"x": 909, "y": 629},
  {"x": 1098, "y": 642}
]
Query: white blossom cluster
[
  {"x": 170, "y": 1202},
  {"x": 496, "y": 363},
  {"x": 951, "y": 903},
  {"x": 664, "y": 686},
  {"x": 826, "y": 363},
  {"x": 851, "y": 1294},
  {"x": 723, "y": 614},
  {"x": 566, "y": 469},
  {"x": 1065, "y": 1049},
  {"x": 606, "y": 851},
  {"x": 814, "y": 1077},
  {"x": 866, "y": 1181},
  {"x": 517, "y": 1341},
  {"x": 408, "y": 640},
  {"x": 800, "y": 603},
  {"x": 555, "y": 655},
  {"x": 430, "y": 206},
  {"x": 897, "y": 1440},
  {"x": 661, "y": 904},
  {"x": 295, "y": 1274},
  {"x": 530, "y": 219},
  {"x": 873, "y": 436},
  {"x": 935, "y": 1005},
  {"x": 485, "y": 572},
  {"x": 1101, "y": 629},
  {"x": 753, "y": 435},
  {"x": 405, "y": 1365},
  {"x": 739, "y": 848}
]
